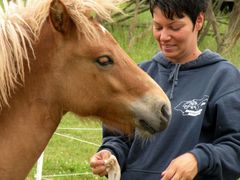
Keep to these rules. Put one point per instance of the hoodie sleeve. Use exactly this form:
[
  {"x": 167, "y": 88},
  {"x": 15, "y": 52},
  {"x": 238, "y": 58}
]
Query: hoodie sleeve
[
  {"x": 222, "y": 157},
  {"x": 118, "y": 143}
]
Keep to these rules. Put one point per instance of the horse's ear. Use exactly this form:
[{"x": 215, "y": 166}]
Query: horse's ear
[{"x": 59, "y": 16}]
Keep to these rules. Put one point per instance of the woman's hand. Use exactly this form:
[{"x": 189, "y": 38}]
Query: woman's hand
[
  {"x": 97, "y": 162},
  {"x": 183, "y": 167}
]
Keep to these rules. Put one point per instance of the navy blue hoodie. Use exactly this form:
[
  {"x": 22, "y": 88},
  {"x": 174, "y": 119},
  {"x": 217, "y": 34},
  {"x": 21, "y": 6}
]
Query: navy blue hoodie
[{"x": 205, "y": 98}]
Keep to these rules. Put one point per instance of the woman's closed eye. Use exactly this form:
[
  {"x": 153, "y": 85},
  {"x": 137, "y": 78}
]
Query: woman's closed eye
[{"x": 176, "y": 27}]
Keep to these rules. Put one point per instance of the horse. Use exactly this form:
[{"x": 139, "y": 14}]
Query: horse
[{"x": 56, "y": 57}]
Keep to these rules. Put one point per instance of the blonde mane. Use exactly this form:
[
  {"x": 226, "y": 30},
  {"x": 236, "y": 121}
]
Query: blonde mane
[{"x": 20, "y": 25}]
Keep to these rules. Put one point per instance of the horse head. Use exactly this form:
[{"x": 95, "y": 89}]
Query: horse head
[{"x": 91, "y": 75}]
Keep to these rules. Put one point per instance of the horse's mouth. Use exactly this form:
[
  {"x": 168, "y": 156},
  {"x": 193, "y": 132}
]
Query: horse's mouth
[{"x": 147, "y": 127}]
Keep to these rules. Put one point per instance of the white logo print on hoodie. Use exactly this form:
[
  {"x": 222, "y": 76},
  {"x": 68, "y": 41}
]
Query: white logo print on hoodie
[{"x": 192, "y": 107}]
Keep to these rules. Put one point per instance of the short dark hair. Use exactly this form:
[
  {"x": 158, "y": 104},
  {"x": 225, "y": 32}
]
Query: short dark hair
[{"x": 178, "y": 8}]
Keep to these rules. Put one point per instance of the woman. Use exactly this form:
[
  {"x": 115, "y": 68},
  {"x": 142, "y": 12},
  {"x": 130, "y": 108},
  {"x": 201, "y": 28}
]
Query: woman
[{"x": 202, "y": 140}]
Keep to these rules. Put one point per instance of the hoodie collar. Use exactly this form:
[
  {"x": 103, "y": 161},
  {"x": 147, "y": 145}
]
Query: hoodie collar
[{"x": 206, "y": 58}]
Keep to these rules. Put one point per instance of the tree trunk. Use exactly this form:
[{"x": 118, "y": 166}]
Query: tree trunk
[{"x": 232, "y": 34}]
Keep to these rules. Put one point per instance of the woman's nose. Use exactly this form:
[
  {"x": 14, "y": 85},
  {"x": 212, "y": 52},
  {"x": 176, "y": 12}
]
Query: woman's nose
[{"x": 164, "y": 35}]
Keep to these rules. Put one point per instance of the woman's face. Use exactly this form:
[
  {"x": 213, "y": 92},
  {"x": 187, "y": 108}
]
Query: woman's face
[{"x": 177, "y": 38}]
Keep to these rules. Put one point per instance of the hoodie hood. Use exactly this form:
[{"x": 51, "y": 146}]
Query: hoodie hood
[{"x": 205, "y": 59}]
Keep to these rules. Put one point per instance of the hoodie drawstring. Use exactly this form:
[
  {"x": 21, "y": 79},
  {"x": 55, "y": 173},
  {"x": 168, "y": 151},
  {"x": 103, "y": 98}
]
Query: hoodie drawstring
[{"x": 174, "y": 78}]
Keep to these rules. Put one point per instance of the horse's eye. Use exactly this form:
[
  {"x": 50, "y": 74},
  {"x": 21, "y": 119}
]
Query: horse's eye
[{"x": 104, "y": 61}]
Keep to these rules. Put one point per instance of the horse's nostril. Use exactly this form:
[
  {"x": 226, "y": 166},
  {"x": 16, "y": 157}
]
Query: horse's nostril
[{"x": 165, "y": 112}]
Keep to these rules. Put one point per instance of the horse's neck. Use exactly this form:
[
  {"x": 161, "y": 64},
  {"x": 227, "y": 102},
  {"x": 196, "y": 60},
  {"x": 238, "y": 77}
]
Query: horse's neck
[{"x": 25, "y": 130}]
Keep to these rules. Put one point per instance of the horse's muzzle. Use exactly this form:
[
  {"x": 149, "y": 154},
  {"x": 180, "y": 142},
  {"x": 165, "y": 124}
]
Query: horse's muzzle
[{"x": 152, "y": 115}]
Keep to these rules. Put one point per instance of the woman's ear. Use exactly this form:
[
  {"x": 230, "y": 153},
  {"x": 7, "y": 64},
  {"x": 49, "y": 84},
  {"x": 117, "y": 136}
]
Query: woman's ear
[{"x": 199, "y": 21}]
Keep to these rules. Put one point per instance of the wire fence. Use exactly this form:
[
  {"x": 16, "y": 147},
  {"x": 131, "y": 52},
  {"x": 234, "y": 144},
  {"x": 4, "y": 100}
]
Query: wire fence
[{"x": 40, "y": 163}]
